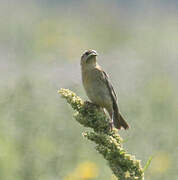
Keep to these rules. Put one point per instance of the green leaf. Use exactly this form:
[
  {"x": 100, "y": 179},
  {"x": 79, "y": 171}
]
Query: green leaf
[{"x": 147, "y": 163}]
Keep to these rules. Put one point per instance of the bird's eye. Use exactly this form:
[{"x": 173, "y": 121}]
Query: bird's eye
[{"x": 87, "y": 53}]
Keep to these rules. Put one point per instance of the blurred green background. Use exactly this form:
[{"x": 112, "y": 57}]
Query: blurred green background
[{"x": 41, "y": 42}]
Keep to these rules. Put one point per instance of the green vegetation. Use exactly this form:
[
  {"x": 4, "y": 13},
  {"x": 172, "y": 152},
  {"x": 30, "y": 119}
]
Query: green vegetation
[
  {"x": 109, "y": 143},
  {"x": 40, "y": 47}
]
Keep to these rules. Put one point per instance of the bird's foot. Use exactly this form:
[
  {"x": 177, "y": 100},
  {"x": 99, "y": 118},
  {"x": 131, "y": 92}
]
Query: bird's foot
[
  {"x": 90, "y": 104},
  {"x": 111, "y": 126}
]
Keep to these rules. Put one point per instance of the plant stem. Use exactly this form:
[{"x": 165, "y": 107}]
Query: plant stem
[{"x": 108, "y": 143}]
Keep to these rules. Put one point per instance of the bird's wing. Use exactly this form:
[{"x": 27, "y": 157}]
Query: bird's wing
[
  {"x": 118, "y": 120},
  {"x": 109, "y": 85},
  {"x": 104, "y": 77}
]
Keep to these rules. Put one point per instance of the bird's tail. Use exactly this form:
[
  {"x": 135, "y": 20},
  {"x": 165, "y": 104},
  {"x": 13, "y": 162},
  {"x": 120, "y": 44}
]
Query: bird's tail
[
  {"x": 118, "y": 119},
  {"x": 121, "y": 123}
]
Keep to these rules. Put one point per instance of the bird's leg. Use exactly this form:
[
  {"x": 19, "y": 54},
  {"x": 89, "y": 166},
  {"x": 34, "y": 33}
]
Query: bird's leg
[
  {"x": 103, "y": 110},
  {"x": 111, "y": 121}
]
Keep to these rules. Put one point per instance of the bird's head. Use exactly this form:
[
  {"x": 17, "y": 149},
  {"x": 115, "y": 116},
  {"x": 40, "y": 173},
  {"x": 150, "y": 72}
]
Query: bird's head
[{"x": 89, "y": 57}]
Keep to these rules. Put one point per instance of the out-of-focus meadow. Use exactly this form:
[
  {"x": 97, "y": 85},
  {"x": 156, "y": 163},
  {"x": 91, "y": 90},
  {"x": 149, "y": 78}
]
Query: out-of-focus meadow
[{"x": 40, "y": 47}]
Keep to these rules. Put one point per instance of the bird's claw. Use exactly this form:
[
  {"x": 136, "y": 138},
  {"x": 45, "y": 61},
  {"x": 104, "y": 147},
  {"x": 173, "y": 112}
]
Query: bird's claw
[{"x": 90, "y": 104}]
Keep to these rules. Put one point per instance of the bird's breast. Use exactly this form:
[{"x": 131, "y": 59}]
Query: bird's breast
[{"x": 96, "y": 88}]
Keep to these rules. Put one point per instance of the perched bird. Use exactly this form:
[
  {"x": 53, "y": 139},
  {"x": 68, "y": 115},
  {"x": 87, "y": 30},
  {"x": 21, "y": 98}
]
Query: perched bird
[{"x": 99, "y": 88}]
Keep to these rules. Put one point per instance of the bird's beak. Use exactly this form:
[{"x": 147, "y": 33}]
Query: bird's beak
[{"x": 92, "y": 54}]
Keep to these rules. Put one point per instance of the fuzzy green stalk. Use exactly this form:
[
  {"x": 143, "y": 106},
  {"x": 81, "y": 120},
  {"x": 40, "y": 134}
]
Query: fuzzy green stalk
[{"x": 108, "y": 143}]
